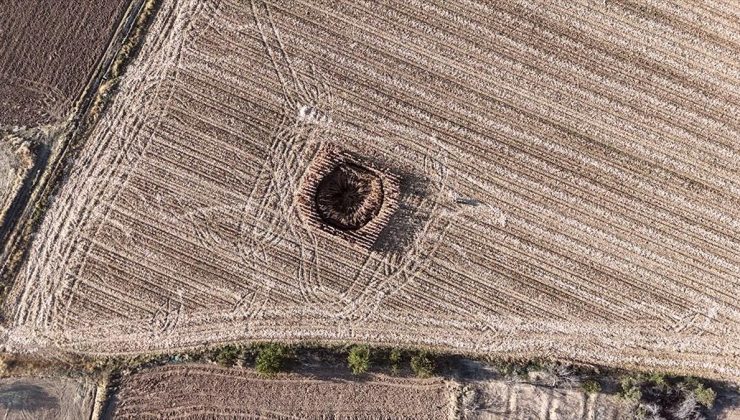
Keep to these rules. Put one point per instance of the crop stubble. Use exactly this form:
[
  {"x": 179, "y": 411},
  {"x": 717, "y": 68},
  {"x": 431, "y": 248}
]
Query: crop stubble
[{"x": 569, "y": 187}]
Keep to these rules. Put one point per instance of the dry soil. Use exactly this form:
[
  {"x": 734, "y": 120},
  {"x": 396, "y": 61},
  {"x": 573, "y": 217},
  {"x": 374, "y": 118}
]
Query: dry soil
[
  {"x": 570, "y": 184},
  {"x": 49, "y": 51},
  {"x": 46, "y": 399}
]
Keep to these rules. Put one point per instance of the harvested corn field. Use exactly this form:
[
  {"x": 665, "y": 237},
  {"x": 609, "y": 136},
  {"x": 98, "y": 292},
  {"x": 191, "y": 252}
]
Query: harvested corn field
[
  {"x": 47, "y": 398},
  {"x": 568, "y": 185},
  {"x": 199, "y": 390},
  {"x": 49, "y": 52}
]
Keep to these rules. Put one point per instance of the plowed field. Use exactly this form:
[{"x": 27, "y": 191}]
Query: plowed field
[
  {"x": 49, "y": 51},
  {"x": 211, "y": 392},
  {"x": 200, "y": 391},
  {"x": 570, "y": 184}
]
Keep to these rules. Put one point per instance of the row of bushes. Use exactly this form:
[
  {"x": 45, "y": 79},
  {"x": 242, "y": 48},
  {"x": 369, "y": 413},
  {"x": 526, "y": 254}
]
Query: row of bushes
[
  {"x": 421, "y": 363},
  {"x": 272, "y": 358},
  {"x": 657, "y": 396}
]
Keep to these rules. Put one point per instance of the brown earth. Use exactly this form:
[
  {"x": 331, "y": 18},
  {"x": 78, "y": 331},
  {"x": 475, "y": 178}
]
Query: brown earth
[
  {"x": 207, "y": 391},
  {"x": 15, "y": 161},
  {"x": 500, "y": 400},
  {"x": 570, "y": 184},
  {"x": 729, "y": 406},
  {"x": 47, "y": 398},
  {"x": 203, "y": 391},
  {"x": 546, "y": 394},
  {"x": 49, "y": 51}
]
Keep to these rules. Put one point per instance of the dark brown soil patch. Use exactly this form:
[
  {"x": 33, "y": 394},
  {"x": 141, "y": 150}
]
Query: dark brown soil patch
[
  {"x": 349, "y": 197},
  {"x": 49, "y": 51},
  {"x": 177, "y": 391}
]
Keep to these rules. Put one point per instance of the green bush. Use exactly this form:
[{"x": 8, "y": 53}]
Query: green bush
[
  {"x": 631, "y": 388},
  {"x": 669, "y": 397},
  {"x": 272, "y": 359},
  {"x": 519, "y": 369},
  {"x": 422, "y": 364},
  {"x": 658, "y": 379},
  {"x": 591, "y": 386},
  {"x": 395, "y": 359},
  {"x": 228, "y": 355},
  {"x": 705, "y": 396},
  {"x": 359, "y": 359}
]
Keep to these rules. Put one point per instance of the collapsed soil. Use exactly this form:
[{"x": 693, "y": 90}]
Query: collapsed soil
[
  {"x": 349, "y": 197},
  {"x": 570, "y": 184},
  {"x": 214, "y": 392}
]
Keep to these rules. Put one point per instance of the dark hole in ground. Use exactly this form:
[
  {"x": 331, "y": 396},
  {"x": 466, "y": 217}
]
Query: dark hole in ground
[{"x": 349, "y": 196}]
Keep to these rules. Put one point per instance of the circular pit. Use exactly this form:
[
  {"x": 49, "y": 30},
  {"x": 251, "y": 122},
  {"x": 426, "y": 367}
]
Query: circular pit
[{"x": 349, "y": 196}]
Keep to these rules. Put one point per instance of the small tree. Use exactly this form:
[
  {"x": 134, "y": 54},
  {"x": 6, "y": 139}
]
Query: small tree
[
  {"x": 227, "y": 355},
  {"x": 658, "y": 380},
  {"x": 359, "y": 359},
  {"x": 631, "y": 388},
  {"x": 395, "y": 359},
  {"x": 271, "y": 359},
  {"x": 705, "y": 396},
  {"x": 422, "y": 364},
  {"x": 665, "y": 397},
  {"x": 591, "y": 386}
]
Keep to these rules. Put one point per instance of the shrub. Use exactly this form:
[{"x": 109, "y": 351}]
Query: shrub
[
  {"x": 660, "y": 397},
  {"x": 591, "y": 386},
  {"x": 395, "y": 358},
  {"x": 631, "y": 388},
  {"x": 422, "y": 364},
  {"x": 512, "y": 370},
  {"x": 703, "y": 395},
  {"x": 538, "y": 366},
  {"x": 227, "y": 356},
  {"x": 658, "y": 379},
  {"x": 271, "y": 359},
  {"x": 553, "y": 373},
  {"x": 359, "y": 359}
]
